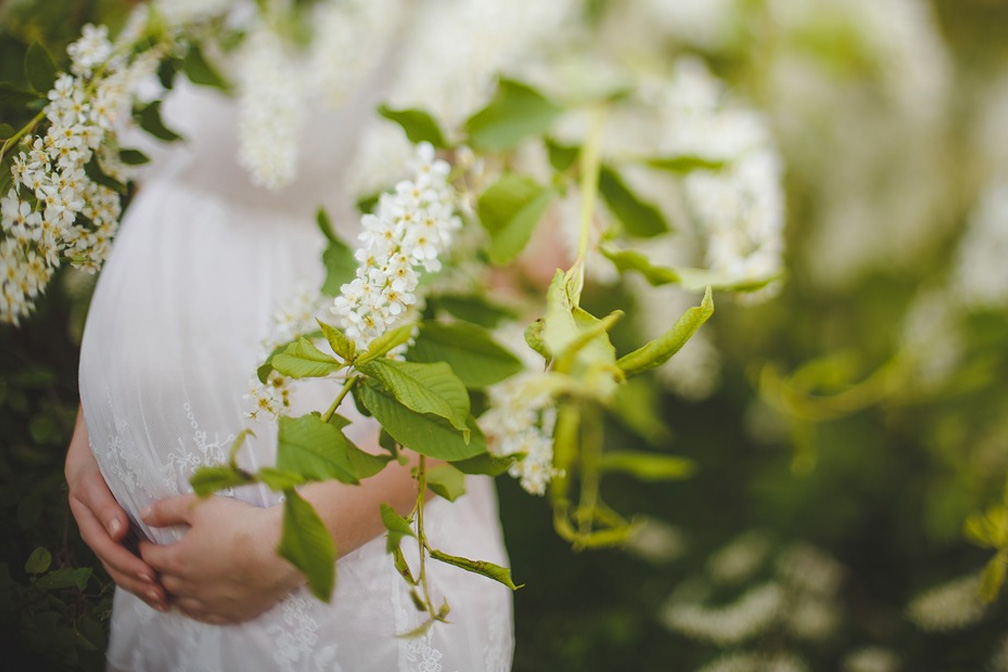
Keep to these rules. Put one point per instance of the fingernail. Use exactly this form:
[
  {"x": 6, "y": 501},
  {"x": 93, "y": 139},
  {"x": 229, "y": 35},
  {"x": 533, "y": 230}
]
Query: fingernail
[
  {"x": 114, "y": 525},
  {"x": 147, "y": 578},
  {"x": 146, "y": 512}
]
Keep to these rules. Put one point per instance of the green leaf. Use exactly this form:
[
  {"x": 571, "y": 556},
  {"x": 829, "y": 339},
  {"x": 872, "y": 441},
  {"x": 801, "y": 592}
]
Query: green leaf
[
  {"x": 686, "y": 164},
  {"x": 279, "y": 480},
  {"x": 640, "y": 218},
  {"x": 314, "y": 449},
  {"x": 301, "y": 359},
  {"x": 419, "y": 125},
  {"x": 12, "y": 97},
  {"x": 341, "y": 345},
  {"x": 486, "y": 464},
  {"x": 559, "y": 329},
  {"x": 6, "y": 131},
  {"x": 426, "y": 434},
  {"x": 150, "y": 120},
  {"x": 133, "y": 157},
  {"x": 365, "y": 464},
  {"x": 340, "y": 265},
  {"x": 446, "y": 481},
  {"x": 487, "y": 569},
  {"x": 658, "y": 351},
  {"x": 307, "y": 545},
  {"x": 326, "y": 227},
  {"x": 561, "y": 157},
  {"x": 690, "y": 278},
  {"x": 424, "y": 388},
  {"x": 167, "y": 70},
  {"x": 510, "y": 210},
  {"x": 39, "y": 68},
  {"x": 38, "y": 561},
  {"x": 67, "y": 577},
  {"x": 208, "y": 480},
  {"x": 382, "y": 345},
  {"x": 397, "y": 526},
  {"x": 199, "y": 71},
  {"x": 534, "y": 338},
  {"x": 469, "y": 350},
  {"x": 988, "y": 529},
  {"x": 402, "y": 567},
  {"x": 636, "y": 405},
  {"x": 993, "y": 577},
  {"x": 648, "y": 466},
  {"x": 517, "y": 111},
  {"x": 473, "y": 308},
  {"x": 93, "y": 170},
  {"x": 591, "y": 347}
]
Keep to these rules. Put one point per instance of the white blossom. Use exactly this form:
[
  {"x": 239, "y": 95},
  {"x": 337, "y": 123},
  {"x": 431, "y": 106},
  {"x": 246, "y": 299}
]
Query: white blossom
[
  {"x": 950, "y": 606},
  {"x": 270, "y": 110},
  {"x": 521, "y": 420},
  {"x": 400, "y": 241}
]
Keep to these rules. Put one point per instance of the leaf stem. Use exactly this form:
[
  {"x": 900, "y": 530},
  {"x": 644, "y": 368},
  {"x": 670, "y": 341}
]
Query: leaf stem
[
  {"x": 591, "y": 455},
  {"x": 590, "y": 168},
  {"x": 347, "y": 386},
  {"x": 421, "y": 535},
  {"x": 24, "y": 130}
]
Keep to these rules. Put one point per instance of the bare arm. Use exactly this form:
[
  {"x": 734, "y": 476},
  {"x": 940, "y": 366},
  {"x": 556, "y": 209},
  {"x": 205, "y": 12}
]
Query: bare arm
[{"x": 103, "y": 523}]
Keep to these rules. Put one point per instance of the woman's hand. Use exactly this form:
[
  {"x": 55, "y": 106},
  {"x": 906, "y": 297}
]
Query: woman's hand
[
  {"x": 225, "y": 569},
  {"x": 103, "y": 523}
]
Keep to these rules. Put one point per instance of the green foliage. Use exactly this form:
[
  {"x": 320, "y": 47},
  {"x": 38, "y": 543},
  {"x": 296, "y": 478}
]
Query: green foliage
[
  {"x": 516, "y": 112},
  {"x": 307, "y": 544},
  {"x": 40, "y": 70},
  {"x": 481, "y": 567},
  {"x": 424, "y": 433},
  {"x": 647, "y": 466},
  {"x": 200, "y": 71},
  {"x": 423, "y": 388},
  {"x": 337, "y": 258},
  {"x": 315, "y": 449},
  {"x": 509, "y": 211},
  {"x": 418, "y": 125},
  {"x": 446, "y": 481},
  {"x": 396, "y": 528},
  {"x": 639, "y": 218},
  {"x": 301, "y": 359},
  {"x": 150, "y": 121},
  {"x": 657, "y": 352},
  {"x": 470, "y": 351}
]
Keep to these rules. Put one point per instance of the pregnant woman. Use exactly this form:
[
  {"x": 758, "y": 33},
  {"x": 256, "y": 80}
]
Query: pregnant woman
[{"x": 174, "y": 333}]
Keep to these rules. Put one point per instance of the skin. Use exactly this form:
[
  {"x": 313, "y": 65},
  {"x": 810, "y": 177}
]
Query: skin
[{"x": 225, "y": 569}]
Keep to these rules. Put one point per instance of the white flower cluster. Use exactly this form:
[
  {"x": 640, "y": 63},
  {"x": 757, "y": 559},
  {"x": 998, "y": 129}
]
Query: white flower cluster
[
  {"x": 950, "y": 606},
  {"x": 740, "y": 208},
  {"x": 871, "y": 659},
  {"x": 521, "y": 420},
  {"x": 54, "y": 210},
  {"x": 754, "y": 662},
  {"x": 268, "y": 400},
  {"x": 981, "y": 274},
  {"x": 410, "y": 228},
  {"x": 270, "y": 110},
  {"x": 800, "y": 598},
  {"x": 296, "y": 318}
]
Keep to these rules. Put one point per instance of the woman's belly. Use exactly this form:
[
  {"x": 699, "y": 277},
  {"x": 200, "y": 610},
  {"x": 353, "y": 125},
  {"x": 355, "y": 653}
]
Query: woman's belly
[{"x": 174, "y": 335}]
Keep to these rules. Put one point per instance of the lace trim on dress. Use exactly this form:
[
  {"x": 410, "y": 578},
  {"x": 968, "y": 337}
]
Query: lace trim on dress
[{"x": 296, "y": 638}]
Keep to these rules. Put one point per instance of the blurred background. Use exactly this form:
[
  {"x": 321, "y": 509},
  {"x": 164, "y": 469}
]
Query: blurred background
[{"x": 844, "y": 431}]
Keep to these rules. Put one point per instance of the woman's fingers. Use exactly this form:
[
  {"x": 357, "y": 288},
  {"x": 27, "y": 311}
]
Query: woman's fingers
[
  {"x": 109, "y": 551},
  {"x": 94, "y": 493},
  {"x": 197, "y": 611},
  {"x": 175, "y": 510}
]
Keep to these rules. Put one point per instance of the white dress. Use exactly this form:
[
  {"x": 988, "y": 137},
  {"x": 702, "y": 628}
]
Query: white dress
[{"x": 172, "y": 339}]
